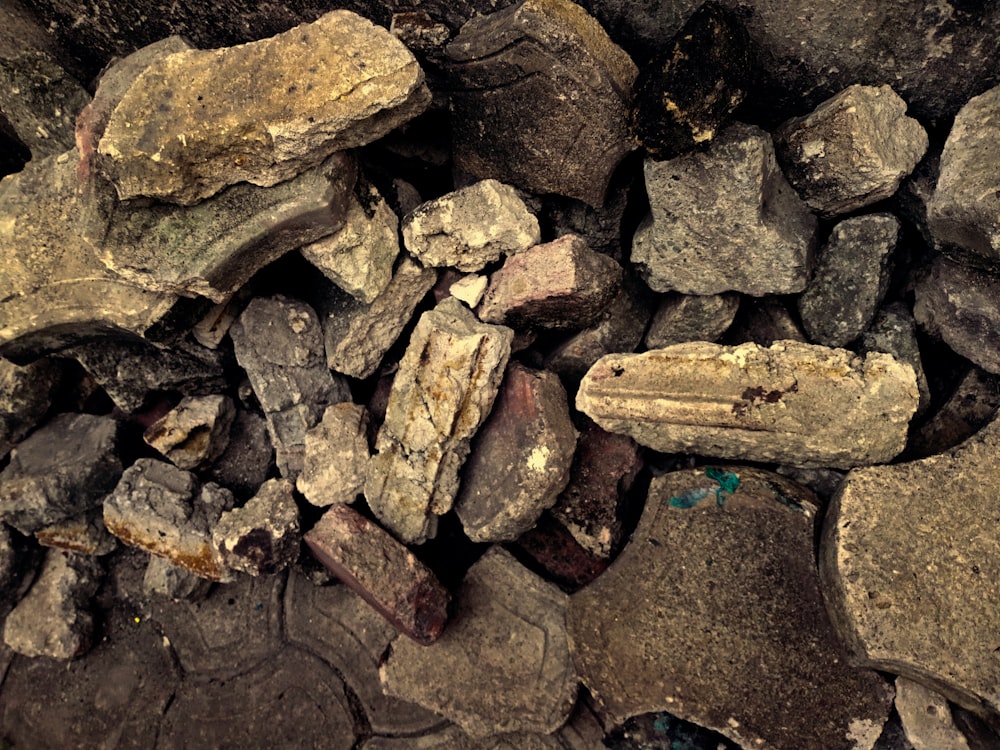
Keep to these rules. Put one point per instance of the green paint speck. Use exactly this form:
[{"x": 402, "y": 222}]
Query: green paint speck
[
  {"x": 688, "y": 498},
  {"x": 728, "y": 483}
]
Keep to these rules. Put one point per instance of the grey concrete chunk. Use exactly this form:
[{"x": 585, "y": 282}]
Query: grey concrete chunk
[
  {"x": 248, "y": 457},
  {"x": 261, "y": 537},
  {"x": 25, "y": 396},
  {"x": 910, "y": 560},
  {"x": 725, "y": 220},
  {"x": 894, "y": 331},
  {"x": 470, "y": 227},
  {"x": 853, "y": 150},
  {"x": 443, "y": 392},
  {"x": 199, "y": 120},
  {"x": 194, "y": 432},
  {"x": 502, "y": 665},
  {"x": 926, "y": 718},
  {"x": 690, "y": 317},
  {"x": 713, "y": 612},
  {"x": 336, "y": 456},
  {"x": 764, "y": 321},
  {"x": 800, "y": 404},
  {"x": 164, "y": 579}
]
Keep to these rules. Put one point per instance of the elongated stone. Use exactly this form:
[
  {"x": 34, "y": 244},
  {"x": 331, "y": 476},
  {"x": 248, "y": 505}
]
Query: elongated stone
[
  {"x": 792, "y": 403},
  {"x": 443, "y": 392}
]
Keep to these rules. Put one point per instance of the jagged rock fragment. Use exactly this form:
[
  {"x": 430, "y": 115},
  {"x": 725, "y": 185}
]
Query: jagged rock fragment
[
  {"x": 469, "y": 289},
  {"x": 926, "y": 718},
  {"x": 970, "y": 407},
  {"x": 894, "y": 331},
  {"x": 194, "y": 432},
  {"x": 261, "y": 537},
  {"x": 690, "y": 317},
  {"x": 336, "y": 454},
  {"x": 248, "y": 458},
  {"x": 84, "y": 534},
  {"x": 164, "y": 579},
  {"x": 25, "y": 396},
  {"x": 793, "y": 403},
  {"x": 763, "y": 321}
]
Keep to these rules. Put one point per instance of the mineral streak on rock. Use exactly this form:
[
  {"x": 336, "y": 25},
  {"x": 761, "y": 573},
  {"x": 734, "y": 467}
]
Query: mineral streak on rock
[
  {"x": 443, "y": 392},
  {"x": 791, "y": 403},
  {"x": 197, "y": 121}
]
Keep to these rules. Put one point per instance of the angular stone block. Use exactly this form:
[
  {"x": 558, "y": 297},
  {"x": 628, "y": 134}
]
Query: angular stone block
[
  {"x": 691, "y": 317},
  {"x": 894, "y": 331},
  {"x": 194, "y": 432},
  {"x": 800, "y": 404},
  {"x": 926, "y": 718},
  {"x": 25, "y": 395},
  {"x": 336, "y": 455},
  {"x": 261, "y": 537}
]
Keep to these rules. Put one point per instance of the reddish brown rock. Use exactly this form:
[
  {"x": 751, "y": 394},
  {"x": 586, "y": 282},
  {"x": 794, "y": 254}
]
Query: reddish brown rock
[{"x": 553, "y": 549}]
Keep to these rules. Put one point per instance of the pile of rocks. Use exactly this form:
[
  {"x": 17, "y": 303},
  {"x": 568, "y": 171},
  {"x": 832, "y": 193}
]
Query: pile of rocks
[{"x": 603, "y": 421}]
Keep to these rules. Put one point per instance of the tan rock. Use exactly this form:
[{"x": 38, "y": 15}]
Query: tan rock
[{"x": 336, "y": 453}]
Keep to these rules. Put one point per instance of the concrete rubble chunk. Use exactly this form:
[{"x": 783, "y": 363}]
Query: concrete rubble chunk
[
  {"x": 279, "y": 342},
  {"x": 559, "y": 284},
  {"x": 469, "y": 289},
  {"x": 725, "y": 220},
  {"x": 725, "y": 622},
  {"x": 61, "y": 470},
  {"x": 164, "y": 579},
  {"x": 443, "y": 392},
  {"x": 894, "y": 331},
  {"x": 926, "y": 718},
  {"x": 248, "y": 458},
  {"x": 195, "y": 432},
  {"x": 166, "y": 512},
  {"x": 853, "y": 150},
  {"x": 850, "y": 279},
  {"x": 520, "y": 459},
  {"x": 910, "y": 561},
  {"x": 54, "y": 618},
  {"x": 690, "y": 317},
  {"x": 964, "y": 211},
  {"x": 502, "y": 665},
  {"x": 792, "y": 403},
  {"x": 550, "y": 64},
  {"x": 261, "y": 112},
  {"x": 261, "y": 537},
  {"x": 336, "y": 455},
  {"x": 25, "y": 396},
  {"x": 470, "y": 227},
  {"x": 83, "y": 534},
  {"x": 382, "y": 572}
]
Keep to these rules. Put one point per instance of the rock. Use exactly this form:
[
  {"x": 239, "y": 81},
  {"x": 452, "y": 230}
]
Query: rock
[
  {"x": 279, "y": 342},
  {"x": 793, "y": 403},
  {"x": 443, "y": 392},
  {"x": 83, "y": 534},
  {"x": 25, "y": 396},
  {"x": 763, "y": 321},
  {"x": 61, "y": 470},
  {"x": 559, "y": 284},
  {"x": 582, "y": 78},
  {"x": 910, "y": 561},
  {"x": 502, "y": 665},
  {"x": 961, "y": 306},
  {"x": 926, "y": 717},
  {"x": 969, "y": 407},
  {"x": 469, "y": 289},
  {"x": 419, "y": 32},
  {"x": 164, "y": 579},
  {"x": 166, "y": 512},
  {"x": 53, "y": 619},
  {"x": 248, "y": 458},
  {"x": 600, "y": 226},
  {"x": 520, "y": 459},
  {"x": 451, "y": 737},
  {"x": 358, "y": 335},
  {"x": 551, "y": 548},
  {"x": 692, "y": 85},
  {"x": 382, "y": 572},
  {"x": 195, "y": 432},
  {"x": 731, "y": 632},
  {"x": 894, "y": 331},
  {"x": 690, "y": 317},
  {"x": 824, "y": 482},
  {"x": 261, "y": 537},
  {"x": 964, "y": 209},
  {"x": 725, "y": 220},
  {"x": 212, "y": 327},
  {"x": 470, "y": 227},
  {"x": 336, "y": 455},
  {"x": 850, "y": 279},
  {"x": 337, "y": 83},
  {"x": 853, "y": 150}
]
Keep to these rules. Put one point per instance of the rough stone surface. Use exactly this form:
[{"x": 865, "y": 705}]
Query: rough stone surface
[
  {"x": 853, "y": 150},
  {"x": 967, "y": 409},
  {"x": 731, "y": 632},
  {"x": 690, "y": 317},
  {"x": 469, "y": 289},
  {"x": 559, "y": 284},
  {"x": 763, "y": 321},
  {"x": 725, "y": 220},
  {"x": 470, "y": 227},
  {"x": 261, "y": 112},
  {"x": 926, "y": 718},
  {"x": 164, "y": 579},
  {"x": 61, "y": 470},
  {"x": 194, "y": 432},
  {"x": 850, "y": 279},
  {"x": 502, "y": 665},
  {"x": 262, "y": 536},
  {"x": 910, "y": 560},
  {"x": 83, "y": 534},
  {"x": 336, "y": 455},
  {"x": 551, "y": 548},
  {"x": 382, "y": 571},
  {"x": 894, "y": 331},
  {"x": 164, "y": 511},
  {"x": 443, "y": 392},
  {"x": 53, "y": 619},
  {"x": 576, "y": 102},
  {"x": 248, "y": 457},
  {"x": 792, "y": 403},
  {"x": 520, "y": 459},
  {"x": 25, "y": 396}
]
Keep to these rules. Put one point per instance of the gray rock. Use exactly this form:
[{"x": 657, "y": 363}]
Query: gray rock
[
  {"x": 910, "y": 561},
  {"x": 725, "y": 220},
  {"x": 824, "y": 482},
  {"x": 559, "y": 284},
  {"x": 582, "y": 78},
  {"x": 964, "y": 209},
  {"x": 336, "y": 456},
  {"x": 690, "y": 317},
  {"x": 443, "y": 392},
  {"x": 337, "y": 83},
  {"x": 502, "y": 665},
  {"x": 25, "y": 396},
  {"x": 470, "y": 227},
  {"x": 792, "y": 403},
  {"x": 451, "y": 737},
  {"x": 894, "y": 331},
  {"x": 926, "y": 718},
  {"x": 166, "y": 512},
  {"x": 521, "y": 457},
  {"x": 968, "y": 408},
  {"x": 53, "y": 619},
  {"x": 261, "y": 537},
  {"x": 61, "y": 470},
  {"x": 195, "y": 432},
  {"x": 850, "y": 279},
  {"x": 164, "y": 579},
  {"x": 763, "y": 321},
  {"x": 83, "y": 534},
  {"x": 853, "y": 150},
  {"x": 248, "y": 458},
  {"x": 601, "y": 226},
  {"x": 714, "y": 613}
]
